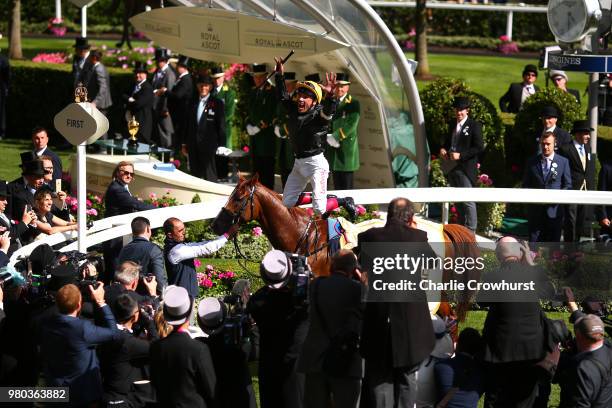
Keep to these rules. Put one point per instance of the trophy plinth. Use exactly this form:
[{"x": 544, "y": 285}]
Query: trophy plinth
[{"x": 133, "y": 127}]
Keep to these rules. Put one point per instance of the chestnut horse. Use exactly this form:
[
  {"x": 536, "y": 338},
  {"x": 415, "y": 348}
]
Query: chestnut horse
[{"x": 294, "y": 230}]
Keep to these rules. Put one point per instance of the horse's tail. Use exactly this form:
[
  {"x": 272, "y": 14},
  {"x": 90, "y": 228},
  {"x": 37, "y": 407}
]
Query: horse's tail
[{"x": 463, "y": 244}]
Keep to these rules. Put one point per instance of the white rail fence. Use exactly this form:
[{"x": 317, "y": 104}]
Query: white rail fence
[{"x": 119, "y": 226}]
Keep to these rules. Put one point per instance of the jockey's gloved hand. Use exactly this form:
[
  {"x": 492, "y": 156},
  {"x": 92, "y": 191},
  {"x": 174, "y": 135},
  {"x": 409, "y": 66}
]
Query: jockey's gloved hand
[
  {"x": 331, "y": 140},
  {"x": 223, "y": 151},
  {"x": 252, "y": 130},
  {"x": 277, "y": 132}
]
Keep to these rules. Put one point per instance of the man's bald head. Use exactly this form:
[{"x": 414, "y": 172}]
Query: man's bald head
[{"x": 508, "y": 247}]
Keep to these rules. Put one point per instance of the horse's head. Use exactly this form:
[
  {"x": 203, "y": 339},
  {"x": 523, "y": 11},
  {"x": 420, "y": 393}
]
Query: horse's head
[{"x": 240, "y": 207}]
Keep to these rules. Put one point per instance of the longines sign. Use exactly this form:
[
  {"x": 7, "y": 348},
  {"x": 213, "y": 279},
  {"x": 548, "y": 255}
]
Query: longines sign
[{"x": 582, "y": 63}]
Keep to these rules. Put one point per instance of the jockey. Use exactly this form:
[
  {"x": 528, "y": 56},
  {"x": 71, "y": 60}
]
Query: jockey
[{"x": 308, "y": 125}]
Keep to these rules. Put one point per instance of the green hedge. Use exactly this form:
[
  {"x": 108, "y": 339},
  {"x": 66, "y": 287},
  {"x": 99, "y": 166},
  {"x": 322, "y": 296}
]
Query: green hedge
[{"x": 39, "y": 91}]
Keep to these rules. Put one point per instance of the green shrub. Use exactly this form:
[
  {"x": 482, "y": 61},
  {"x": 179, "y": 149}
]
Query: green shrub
[
  {"x": 39, "y": 91},
  {"x": 437, "y": 99}
]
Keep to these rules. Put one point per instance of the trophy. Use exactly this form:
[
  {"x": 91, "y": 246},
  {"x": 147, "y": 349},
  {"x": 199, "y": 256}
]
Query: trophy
[
  {"x": 80, "y": 93},
  {"x": 133, "y": 127}
]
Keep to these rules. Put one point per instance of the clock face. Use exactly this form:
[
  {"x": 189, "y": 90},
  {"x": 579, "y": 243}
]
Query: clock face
[{"x": 567, "y": 19}]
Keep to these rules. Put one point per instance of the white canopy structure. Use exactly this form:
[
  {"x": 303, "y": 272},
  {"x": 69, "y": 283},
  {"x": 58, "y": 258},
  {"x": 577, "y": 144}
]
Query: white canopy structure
[{"x": 328, "y": 36}]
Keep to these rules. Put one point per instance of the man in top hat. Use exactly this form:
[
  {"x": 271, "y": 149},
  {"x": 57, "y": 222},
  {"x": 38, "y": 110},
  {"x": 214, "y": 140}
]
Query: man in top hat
[
  {"x": 21, "y": 191},
  {"x": 283, "y": 323},
  {"x": 559, "y": 79},
  {"x": 15, "y": 228},
  {"x": 94, "y": 76},
  {"x": 179, "y": 98},
  {"x": 206, "y": 130},
  {"x": 546, "y": 170},
  {"x": 550, "y": 116},
  {"x": 582, "y": 170},
  {"x": 516, "y": 94},
  {"x": 229, "y": 360},
  {"x": 259, "y": 125},
  {"x": 462, "y": 146},
  {"x": 40, "y": 143},
  {"x": 182, "y": 372},
  {"x": 5, "y": 76},
  {"x": 163, "y": 78},
  {"x": 343, "y": 150},
  {"x": 81, "y": 52},
  {"x": 222, "y": 91},
  {"x": 284, "y": 151},
  {"x": 140, "y": 103}
]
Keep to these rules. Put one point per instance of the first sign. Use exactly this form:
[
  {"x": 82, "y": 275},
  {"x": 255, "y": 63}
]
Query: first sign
[{"x": 81, "y": 123}]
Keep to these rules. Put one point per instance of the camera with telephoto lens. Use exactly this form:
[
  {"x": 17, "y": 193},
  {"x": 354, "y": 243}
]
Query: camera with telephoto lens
[{"x": 280, "y": 269}]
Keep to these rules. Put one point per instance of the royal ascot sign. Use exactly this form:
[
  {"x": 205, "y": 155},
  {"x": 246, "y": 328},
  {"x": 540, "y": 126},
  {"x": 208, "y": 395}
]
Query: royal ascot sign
[
  {"x": 81, "y": 122},
  {"x": 581, "y": 63},
  {"x": 228, "y": 36}
]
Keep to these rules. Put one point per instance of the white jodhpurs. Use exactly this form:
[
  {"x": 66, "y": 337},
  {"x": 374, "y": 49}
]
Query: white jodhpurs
[{"x": 315, "y": 170}]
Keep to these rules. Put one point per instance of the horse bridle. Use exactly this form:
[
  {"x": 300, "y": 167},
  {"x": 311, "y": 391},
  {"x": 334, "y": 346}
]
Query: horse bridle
[{"x": 237, "y": 215}]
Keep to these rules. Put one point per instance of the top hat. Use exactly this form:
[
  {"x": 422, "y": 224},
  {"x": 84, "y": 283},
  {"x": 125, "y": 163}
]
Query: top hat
[
  {"x": 183, "y": 61},
  {"x": 461, "y": 102},
  {"x": 530, "y": 68},
  {"x": 177, "y": 305},
  {"x": 290, "y": 76},
  {"x": 313, "y": 77},
  {"x": 204, "y": 78},
  {"x": 259, "y": 69},
  {"x": 33, "y": 168},
  {"x": 217, "y": 72},
  {"x": 342, "y": 78},
  {"x": 275, "y": 268},
  {"x": 582, "y": 126},
  {"x": 161, "y": 54},
  {"x": 81, "y": 43},
  {"x": 27, "y": 157},
  {"x": 139, "y": 67},
  {"x": 211, "y": 314},
  {"x": 557, "y": 73},
  {"x": 4, "y": 188},
  {"x": 549, "y": 112}
]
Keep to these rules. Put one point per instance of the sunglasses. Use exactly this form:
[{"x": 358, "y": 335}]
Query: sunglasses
[{"x": 127, "y": 173}]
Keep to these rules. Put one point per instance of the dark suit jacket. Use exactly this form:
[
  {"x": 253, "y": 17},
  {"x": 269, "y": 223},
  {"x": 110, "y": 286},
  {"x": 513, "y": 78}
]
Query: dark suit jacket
[
  {"x": 142, "y": 109},
  {"x": 209, "y": 133},
  {"x": 123, "y": 362},
  {"x": 19, "y": 197},
  {"x": 398, "y": 332},
  {"x": 69, "y": 356},
  {"x": 57, "y": 163},
  {"x": 149, "y": 256},
  {"x": 511, "y": 100},
  {"x": 81, "y": 74},
  {"x": 4, "y": 260},
  {"x": 16, "y": 229},
  {"x": 179, "y": 101},
  {"x": 97, "y": 81},
  {"x": 118, "y": 200},
  {"x": 575, "y": 93},
  {"x": 562, "y": 137},
  {"x": 182, "y": 372},
  {"x": 166, "y": 80},
  {"x": 514, "y": 331},
  {"x": 339, "y": 302},
  {"x": 469, "y": 145},
  {"x": 604, "y": 183},
  {"x": 534, "y": 178},
  {"x": 578, "y": 173}
]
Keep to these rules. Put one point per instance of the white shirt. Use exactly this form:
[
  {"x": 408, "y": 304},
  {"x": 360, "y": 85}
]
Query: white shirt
[
  {"x": 41, "y": 151},
  {"x": 218, "y": 89},
  {"x": 460, "y": 124},
  {"x": 5, "y": 218},
  {"x": 550, "y": 129},
  {"x": 342, "y": 98},
  {"x": 82, "y": 61},
  {"x": 201, "y": 106},
  {"x": 580, "y": 147},
  {"x": 183, "y": 74},
  {"x": 195, "y": 249}
]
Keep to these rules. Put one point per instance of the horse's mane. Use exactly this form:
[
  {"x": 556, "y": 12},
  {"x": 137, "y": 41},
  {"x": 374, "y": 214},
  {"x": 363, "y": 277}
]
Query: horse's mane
[{"x": 464, "y": 245}]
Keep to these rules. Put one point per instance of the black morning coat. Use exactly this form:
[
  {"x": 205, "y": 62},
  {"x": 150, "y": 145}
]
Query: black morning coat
[{"x": 399, "y": 332}]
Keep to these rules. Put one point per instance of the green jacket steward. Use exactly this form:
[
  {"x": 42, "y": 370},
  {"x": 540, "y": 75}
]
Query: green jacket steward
[{"x": 344, "y": 130}]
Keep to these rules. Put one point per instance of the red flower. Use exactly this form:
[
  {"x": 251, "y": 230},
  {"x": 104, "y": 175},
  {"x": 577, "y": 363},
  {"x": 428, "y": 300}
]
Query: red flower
[{"x": 245, "y": 149}]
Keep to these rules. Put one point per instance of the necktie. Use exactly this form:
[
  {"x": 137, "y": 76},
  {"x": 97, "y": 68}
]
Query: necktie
[
  {"x": 545, "y": 167},
  {"x": 582, "y": 156},
  {"x": 201, "y": 108},
  {"x": 136, "y": 89}
]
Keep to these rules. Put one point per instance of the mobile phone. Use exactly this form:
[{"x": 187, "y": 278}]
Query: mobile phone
[
  {"x": 58, "y": 185},
  {"x": 28, "y": 207}
]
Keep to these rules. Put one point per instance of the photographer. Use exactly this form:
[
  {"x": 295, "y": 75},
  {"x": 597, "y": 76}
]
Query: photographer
[
  {"x": 125, "y": 362},
  {"x": 127, "y": 279},
  {"x": 145, "y": 253},
  {"x": 226, "y": 334},
  {"x": 584, "y": 376},
  {"x": 330, "y": 356},
  {"x": 67, "y": 345},
  {"x": 280, "y": 312},
  {"x": 514, "y": 332}
]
